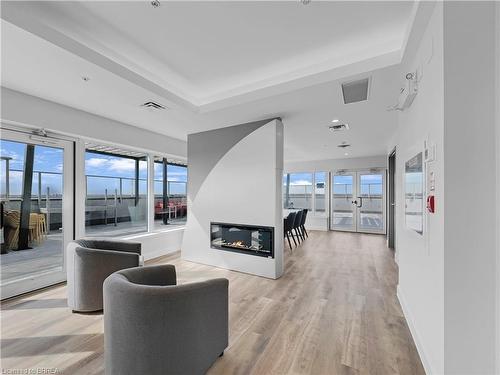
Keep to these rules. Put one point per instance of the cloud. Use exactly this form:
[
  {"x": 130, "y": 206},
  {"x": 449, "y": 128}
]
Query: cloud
[
  {"x": 10, "y": 154},
  {"x": 17, "y": 160},
  {"x": 121, "y": 165},
  {"x": 301, "y": 182},
  {"x": 115, "y": 164},
  {"x": 96, "y": 162}
]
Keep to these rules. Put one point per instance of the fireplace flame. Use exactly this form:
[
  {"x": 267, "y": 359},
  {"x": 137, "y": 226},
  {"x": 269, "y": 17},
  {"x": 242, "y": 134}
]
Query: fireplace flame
[{"x": 238, "y": 244}]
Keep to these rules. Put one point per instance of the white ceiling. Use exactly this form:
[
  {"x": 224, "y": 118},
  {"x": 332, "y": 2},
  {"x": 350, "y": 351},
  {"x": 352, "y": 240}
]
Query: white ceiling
[{"x": 215, "y": 64}]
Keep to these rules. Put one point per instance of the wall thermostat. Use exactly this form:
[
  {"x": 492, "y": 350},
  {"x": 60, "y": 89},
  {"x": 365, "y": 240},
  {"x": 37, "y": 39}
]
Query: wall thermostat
[{"x": 429, "y": 153}]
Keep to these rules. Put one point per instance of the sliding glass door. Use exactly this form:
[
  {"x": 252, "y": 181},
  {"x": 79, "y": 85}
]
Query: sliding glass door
[
  {"x": 358, "y": 201},
  {"x": 36, "y": 192}
]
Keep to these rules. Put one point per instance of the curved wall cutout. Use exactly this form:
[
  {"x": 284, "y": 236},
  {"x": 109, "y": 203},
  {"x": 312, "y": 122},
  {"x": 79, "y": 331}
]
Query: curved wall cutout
[{"x": 235, "y": 176}]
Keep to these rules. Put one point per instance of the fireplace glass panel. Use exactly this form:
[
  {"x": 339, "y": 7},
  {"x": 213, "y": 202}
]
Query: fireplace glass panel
[{"x": 247, "y": 239}]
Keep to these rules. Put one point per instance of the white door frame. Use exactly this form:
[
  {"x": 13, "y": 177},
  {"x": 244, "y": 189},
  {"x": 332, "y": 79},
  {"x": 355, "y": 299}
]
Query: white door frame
[
  {"x": 383, "y": 203},
  {"x": 356, "y": 175},
  {"x": 32, "y": 283},
  {"x": 332, "y": 200}
]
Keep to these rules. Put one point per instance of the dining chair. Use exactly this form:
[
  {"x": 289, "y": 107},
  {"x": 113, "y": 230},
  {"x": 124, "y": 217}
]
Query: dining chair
[
  {"x": 287, "y": 226},
  {"x": 303, "y": 222},
  {"x": 296, "y": 225}
]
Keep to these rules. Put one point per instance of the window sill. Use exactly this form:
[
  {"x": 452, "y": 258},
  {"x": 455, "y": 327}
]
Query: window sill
[{"x": 153, "y": 233}]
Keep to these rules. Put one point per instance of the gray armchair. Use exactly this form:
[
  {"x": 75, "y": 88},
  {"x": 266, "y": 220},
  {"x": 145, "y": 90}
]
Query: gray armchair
[
  {"x": 153, "y": 326},
  {"x": 89, "y": 262}
]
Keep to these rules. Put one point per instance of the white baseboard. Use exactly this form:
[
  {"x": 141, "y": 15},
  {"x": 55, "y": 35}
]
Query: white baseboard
[
  {"x": 418, "y": 343},
  {"x": 317, "y": 227}
]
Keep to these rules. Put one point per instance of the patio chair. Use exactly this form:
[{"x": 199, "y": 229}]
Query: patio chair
[{"x": 13, "y": 223}]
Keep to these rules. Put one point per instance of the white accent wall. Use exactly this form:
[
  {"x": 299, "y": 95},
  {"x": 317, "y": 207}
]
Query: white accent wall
[
  {"x": 34, "y": 112},
  {"x": 447, "y": 276},
  {"x": 470, "y": 187},
  {"x": 330, "y": 165},
  {"x": 421, "y": 257},
  {"x": 243, "y": 186}
]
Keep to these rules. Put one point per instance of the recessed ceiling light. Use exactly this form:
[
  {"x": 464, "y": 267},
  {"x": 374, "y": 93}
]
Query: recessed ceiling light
[
  {"x": 153, "y": 105},
  {"x": 344, "y": 144},
  {"x": 338, "y": 127},
  {"x": 335, "y": 120}
]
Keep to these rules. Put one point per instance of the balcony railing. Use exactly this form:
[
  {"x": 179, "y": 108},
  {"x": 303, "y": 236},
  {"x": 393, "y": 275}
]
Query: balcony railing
[{"x": 110, "y": 200}]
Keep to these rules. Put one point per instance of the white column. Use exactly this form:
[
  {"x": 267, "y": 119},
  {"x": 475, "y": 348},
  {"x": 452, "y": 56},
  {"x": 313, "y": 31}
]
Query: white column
[
  {"x": 80, "y": 189},
  {"x": 151, "y": 192}
]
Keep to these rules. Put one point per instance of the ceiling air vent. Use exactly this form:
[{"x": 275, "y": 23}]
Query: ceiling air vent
[
  {"x": 355, "y": 91},
  {"x": 344, "y": 145},
  {"x": 338, "y": 127},
  {"x": 153, "y": 105}
]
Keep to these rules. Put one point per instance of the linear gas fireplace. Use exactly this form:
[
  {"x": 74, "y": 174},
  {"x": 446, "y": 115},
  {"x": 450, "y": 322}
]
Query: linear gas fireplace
[{"x": 245, "y": 239}]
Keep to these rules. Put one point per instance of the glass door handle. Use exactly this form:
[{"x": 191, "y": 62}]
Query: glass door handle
[{"x": 360, "y": 202}]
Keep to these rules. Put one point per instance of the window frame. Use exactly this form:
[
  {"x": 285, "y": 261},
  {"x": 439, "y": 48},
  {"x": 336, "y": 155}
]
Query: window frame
[
  {"x": 165, "y": 185},
  {"x": 80, "y": 186},
  {"x": 313, "y": 209}
]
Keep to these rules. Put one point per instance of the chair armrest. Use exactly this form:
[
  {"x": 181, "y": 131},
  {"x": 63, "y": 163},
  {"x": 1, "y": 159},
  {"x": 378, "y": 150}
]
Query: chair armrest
[
  {"x": 101, "y": 255},
  {"x": 98, "y": 264},
  {"x": 87, "y": 269},
  {"x": 163, "y": 275},
  {"x": 113, "y": 245}
]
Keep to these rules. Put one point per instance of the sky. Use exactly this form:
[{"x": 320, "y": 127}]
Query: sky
[{"x": 103, "y": 171}]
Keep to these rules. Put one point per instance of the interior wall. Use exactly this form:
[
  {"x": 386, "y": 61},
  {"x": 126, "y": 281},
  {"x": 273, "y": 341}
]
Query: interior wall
[
  {"x": 35, "y": 112},
  {"x": 470, "y": 188},
  {"x": 160, "y": 243},
  {"x": 497, "y": 100},
  {"x": 448, "y": 284},
  {"x": 421, "y": 256},
  {"x": 330, "y": 165},
  {"x": 235, "y": 177}
]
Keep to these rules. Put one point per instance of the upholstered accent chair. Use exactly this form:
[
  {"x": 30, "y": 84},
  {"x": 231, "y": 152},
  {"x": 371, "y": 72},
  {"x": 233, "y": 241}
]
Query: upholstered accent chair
[
  {"x": 89, "y": 261},
  {"x": 153, "y": 326}
]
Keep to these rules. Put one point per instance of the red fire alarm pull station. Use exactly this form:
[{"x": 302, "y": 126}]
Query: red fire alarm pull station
[{"x": 430, "y": 204}]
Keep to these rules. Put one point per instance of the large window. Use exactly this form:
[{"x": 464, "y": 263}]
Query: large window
[
  {"x": 305, "y": 190},
  {"x": 298, "y": 190},
  {"x": 116, "y": 185},
  {"x": 320, "y": 179},
  {"x": 170, "y": 189}
]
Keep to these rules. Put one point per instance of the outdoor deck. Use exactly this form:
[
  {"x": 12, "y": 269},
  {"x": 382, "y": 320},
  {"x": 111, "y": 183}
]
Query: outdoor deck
[{"x": 47, "y": 256}]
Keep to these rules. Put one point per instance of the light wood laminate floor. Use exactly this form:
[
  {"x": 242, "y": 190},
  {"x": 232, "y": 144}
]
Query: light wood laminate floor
[{"x": 334, "y": 311}]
